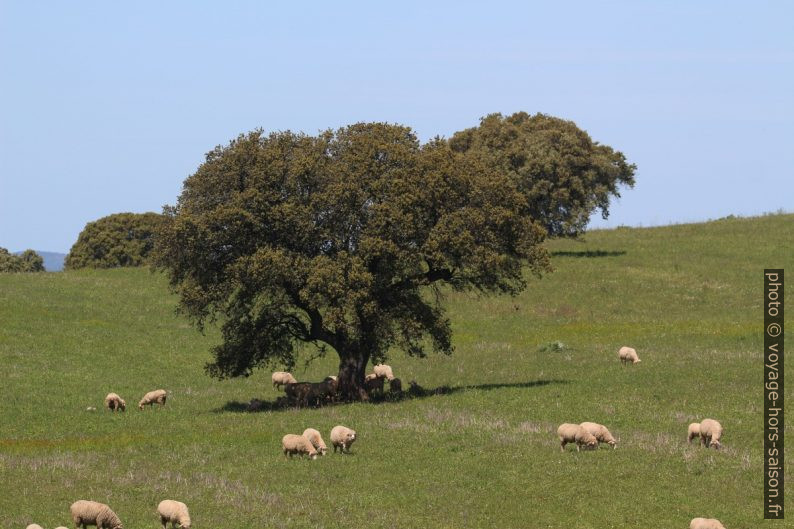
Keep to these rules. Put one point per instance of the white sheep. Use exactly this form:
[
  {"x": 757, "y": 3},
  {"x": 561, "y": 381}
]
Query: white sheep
[
  {"x": 85, "y": 513},
  {"x": 316, "y": 440},
  {"x": 282, "y": 378},
  {"x": 61, "y": 527},
  {"x": 383, "y": 371},
  {"x": 600, "y": 432},
  {"x": 33, "y": 526},
  {"x": 628, "y": 354},
  {"x": 705, "y": 523},
  {"x": 297, "y": 444},
  {"x": 157, "y": 396},
  {"x": 710, "y": 433},
  {"x": 693, "y": 430},
  {"x": 573, "y": 433},
  {"x": 342, "y": 437},
  {"x": 113, "y": 402},
  {"x": 175, "y": 512}
]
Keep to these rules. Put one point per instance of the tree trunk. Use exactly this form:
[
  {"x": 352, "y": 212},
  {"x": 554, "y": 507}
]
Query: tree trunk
[{"x": 352, "y": 367}]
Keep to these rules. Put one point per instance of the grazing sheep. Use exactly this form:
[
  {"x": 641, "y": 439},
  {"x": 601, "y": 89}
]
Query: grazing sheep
[
  {"x": 175, "y": 512},
  {"x": 585, "y": 439},
  {"x": 157, "y": 396},
  {"x": 395, "y": 385},
  {"x": 383, "y": 371},
  {"x": 567, "y": 434},
  {"x": 113, "y": 402},
  {"x": 372, "y": 385},
  {"x": 297, "y": 444},
  {"x": 705, "y": 523},
  {"x": 33, "y": 526},
  {"x": 316, "y": 440},
  {"x": 282, "y": 378},
  {"x": 628, "y": 354},
  {"x": 693, "y": 431},
  {"x": 600, "y": 432},
  {"x": 297, "y": 393},
  {"x": 85, "y": 513},
  {"x": 710, "y": 433},
  {"x": 342, "y": 437}
]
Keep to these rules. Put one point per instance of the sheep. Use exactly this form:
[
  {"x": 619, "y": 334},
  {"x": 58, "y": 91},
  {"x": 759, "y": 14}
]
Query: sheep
[
  {"x": 175, "y": 512},
  {"x": 297, "y": 392},
  {"x": 693, "y": 431},
  {"x": 567, "y": 434},
  {"x": 316, "y": 440},
  {"x": 383, "y": 370},
  {"x": 157, "y": 396},
  {"x": 282, "y": 378},
  {"x": 710, "y": 433},
  {"x": 33, "y": 526},
  {"x": 113, "y": 402},
  {"x": 60, "y": 527},
  {"x": 705, "y": 523},
  {"x": 342, "y": 437},
  {"x": 600, "y": 432},
  {"x": 85, "y": 513},
  {"x": 373, "y": 384},
  {"x": 628, "y": 354},
  {"x": 297, "y": 444},
  {"x": 395, "y": 385},
  {"x": 585, "y": 439}
]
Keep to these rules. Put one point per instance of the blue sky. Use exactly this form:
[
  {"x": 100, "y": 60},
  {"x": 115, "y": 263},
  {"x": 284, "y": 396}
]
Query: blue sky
[{"x": 107, "y": 106}]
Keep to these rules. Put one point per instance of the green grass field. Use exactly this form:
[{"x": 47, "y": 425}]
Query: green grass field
[{"x": 687, "y": 297}]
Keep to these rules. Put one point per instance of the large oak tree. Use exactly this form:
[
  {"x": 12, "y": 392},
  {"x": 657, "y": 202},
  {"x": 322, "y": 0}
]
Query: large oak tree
[{"x": 342, "y": 240}]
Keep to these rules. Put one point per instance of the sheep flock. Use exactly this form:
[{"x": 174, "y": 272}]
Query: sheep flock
[{"x": 586, "y": 436}]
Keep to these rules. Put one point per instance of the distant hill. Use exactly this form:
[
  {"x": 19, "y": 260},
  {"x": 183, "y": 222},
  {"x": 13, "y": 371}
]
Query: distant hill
[{"x": 53, "y": 261}]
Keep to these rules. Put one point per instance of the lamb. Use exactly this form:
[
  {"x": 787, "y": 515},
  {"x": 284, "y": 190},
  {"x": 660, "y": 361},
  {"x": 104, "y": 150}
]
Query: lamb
[
  {"x": 297, "y": 444},
  {"x": 157, "y": 396},
  {"x": 175, "y": 512},
  {"x": 693, "y": 431},
  {"x": 710, "y": 433},
  {"x": 600, "y": 432},
  {"x": 383, "y": 370},
  {"x": 342, "y": 437},
  {"x": 316, "y": 440},
  {"x": 628, "y": 354},
  {"x": 85, "y": 513},
  {"x": 282, "y": 378},
  {"x": 705, "y": 523},
  {"x": 33, "y": 526},
  {"x": 113, "y": 402}
]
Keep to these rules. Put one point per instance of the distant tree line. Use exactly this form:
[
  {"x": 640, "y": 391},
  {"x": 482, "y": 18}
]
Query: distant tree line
[{"x": 27, "y": 261}]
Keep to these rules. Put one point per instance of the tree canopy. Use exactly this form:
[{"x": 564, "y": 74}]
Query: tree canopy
[
  {"x": 27, "y": 261},
  {"x": 121, "y": 239},
  {"x": 343, "y": 240},
  {"x": 564, "y": 175}
]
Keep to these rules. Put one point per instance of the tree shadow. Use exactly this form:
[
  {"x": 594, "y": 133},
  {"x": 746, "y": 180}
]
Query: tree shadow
[
  {"x": 413, "y": 392},
  {"x": 589, "y": 253}
]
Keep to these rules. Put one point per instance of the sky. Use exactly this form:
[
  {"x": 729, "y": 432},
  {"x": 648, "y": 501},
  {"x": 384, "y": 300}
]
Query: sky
[{"x": 106, "y": 107}]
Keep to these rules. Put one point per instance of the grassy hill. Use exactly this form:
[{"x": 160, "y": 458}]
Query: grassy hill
[{"x": 687, "y": 297}]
